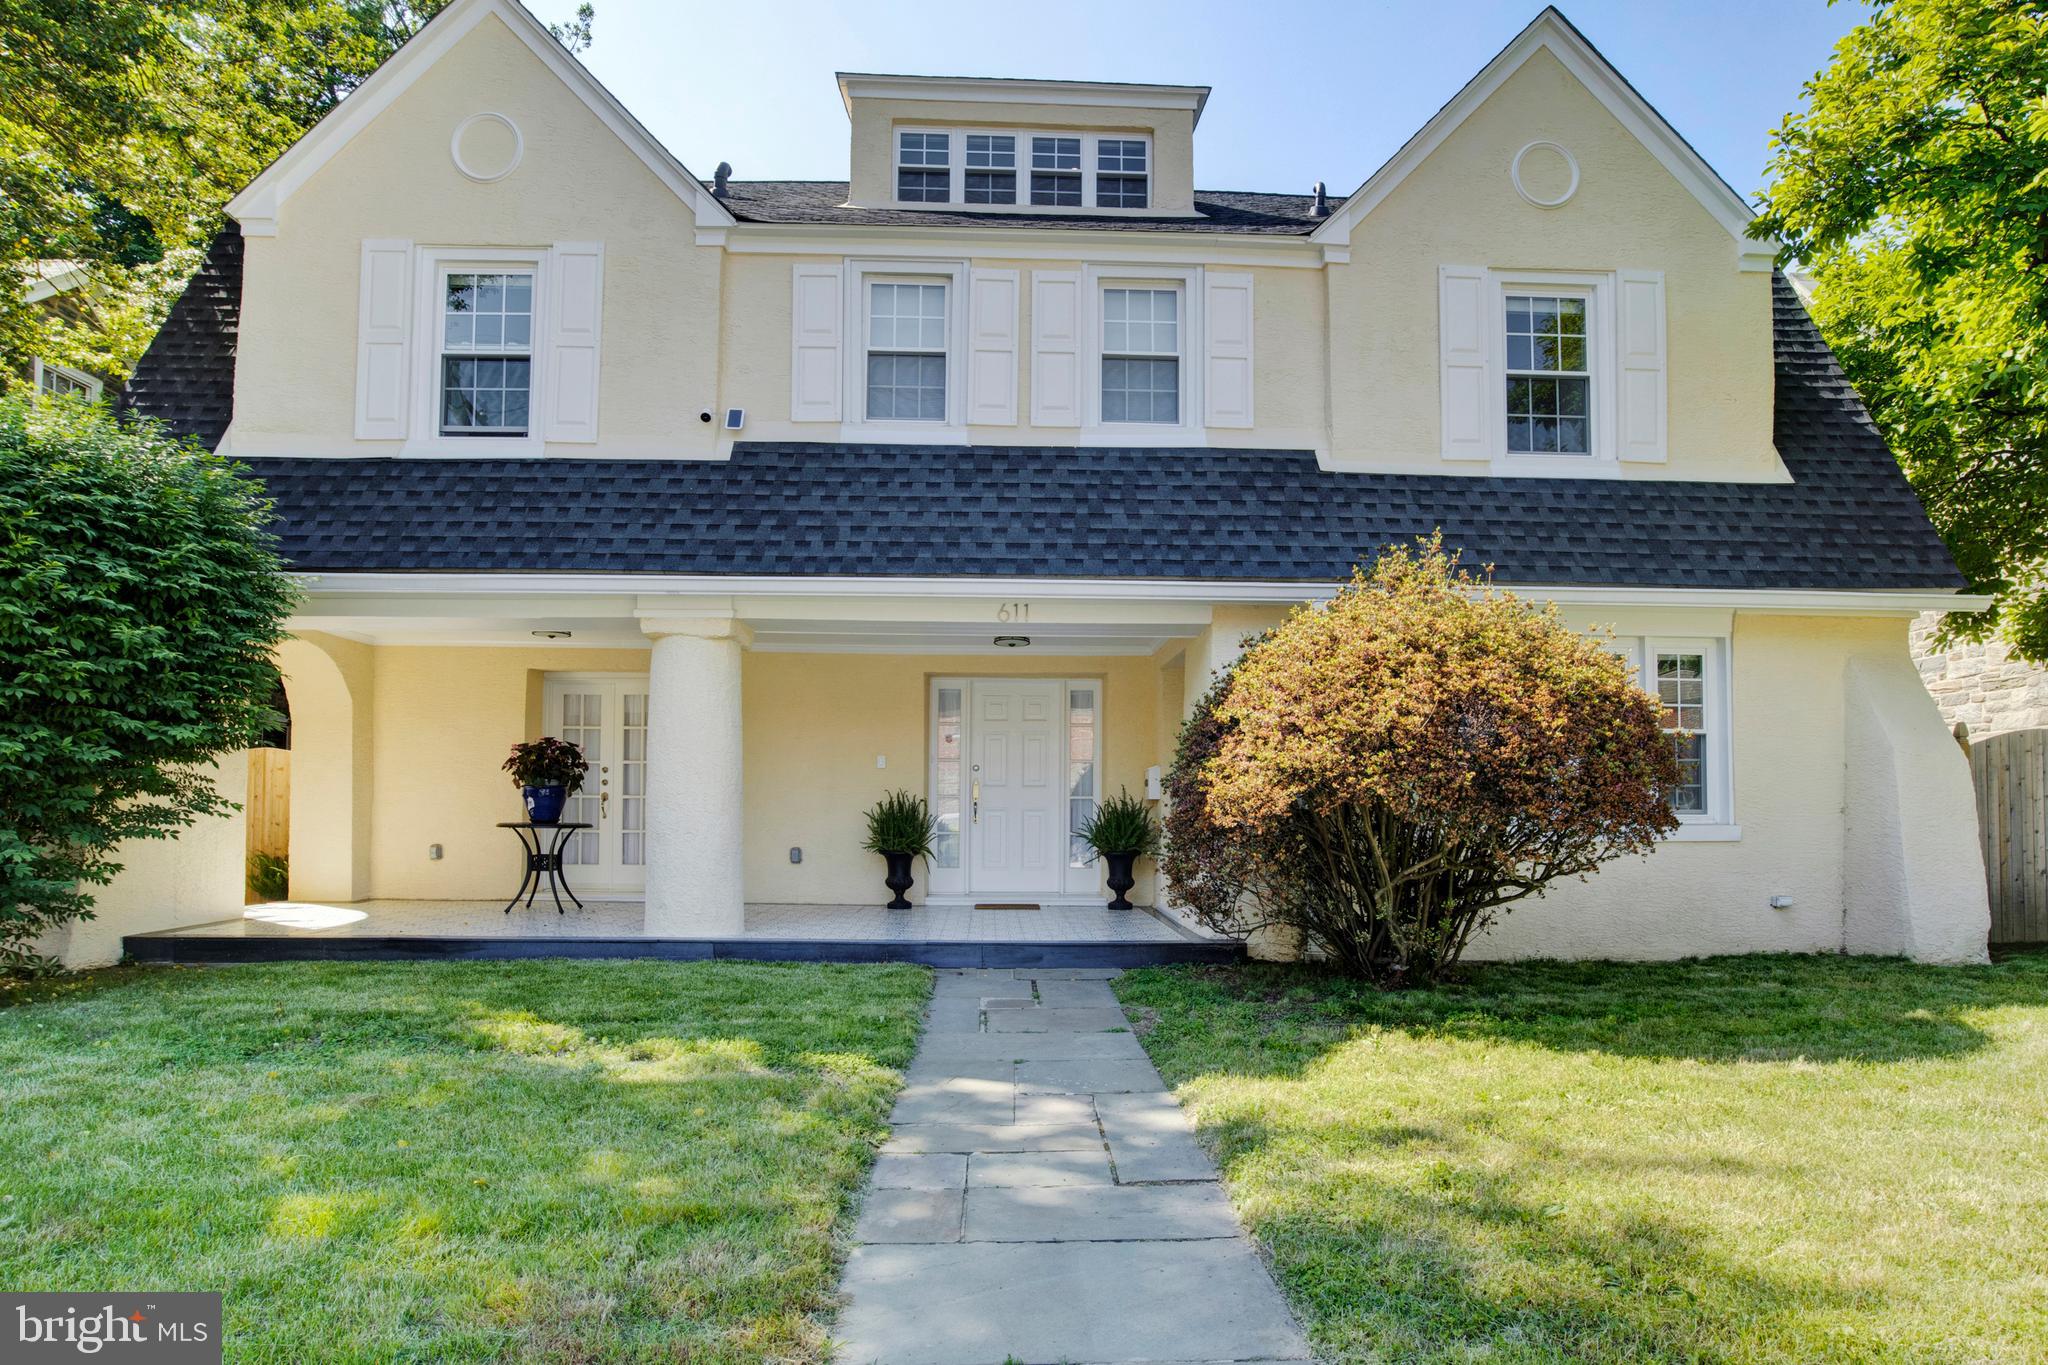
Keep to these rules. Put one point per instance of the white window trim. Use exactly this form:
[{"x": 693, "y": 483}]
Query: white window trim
[
  {"x": 432, "y": 264},
  {"x": 1193, "y": 347},
  {"x": 93, "y": 386},
  {"x": 854, "y": 425},
  {"x": 1717, "y": 823},
  {"x": 1602, "y": 363},
  {"x": 956, "y": 194}
]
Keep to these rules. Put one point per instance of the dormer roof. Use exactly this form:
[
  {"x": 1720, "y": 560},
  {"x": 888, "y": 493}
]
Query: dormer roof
[{"x": 1019, "y": 90}]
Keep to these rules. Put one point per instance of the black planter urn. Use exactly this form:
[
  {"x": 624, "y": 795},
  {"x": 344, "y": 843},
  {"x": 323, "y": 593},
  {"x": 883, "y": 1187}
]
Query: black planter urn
[
  {"x": 899, "y": 879},
  {"x": 1120, "y": 878}
]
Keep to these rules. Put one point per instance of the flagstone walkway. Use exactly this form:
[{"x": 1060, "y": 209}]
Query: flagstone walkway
[{"x": 1041, "y": 1199}]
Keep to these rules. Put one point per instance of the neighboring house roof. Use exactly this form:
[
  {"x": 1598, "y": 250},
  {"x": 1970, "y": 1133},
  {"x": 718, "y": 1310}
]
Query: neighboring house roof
[
  {"x": 1847, "y": 521},
  {"x": 187, "y": 376},
  {"x": 824, "y": 201},
  {"x": 47, "y": 279}
]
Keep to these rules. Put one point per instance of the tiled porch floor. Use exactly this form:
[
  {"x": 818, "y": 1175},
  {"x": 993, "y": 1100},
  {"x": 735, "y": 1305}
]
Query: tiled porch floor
[{"x": 624, "y": 919}]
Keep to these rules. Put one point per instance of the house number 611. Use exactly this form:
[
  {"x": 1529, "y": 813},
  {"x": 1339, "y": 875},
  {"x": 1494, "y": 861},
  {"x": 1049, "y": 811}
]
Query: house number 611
[{"x": 1013, "y": 611}]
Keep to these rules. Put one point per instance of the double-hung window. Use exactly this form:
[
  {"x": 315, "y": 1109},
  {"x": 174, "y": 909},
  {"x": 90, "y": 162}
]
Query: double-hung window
[
  {"x": 991, "y": 168},
  {"x": 924, "y": 163},
  {"x": 1121, "y": 178},
  {"x": 1681, "y": 683},
  {"x": 906, "y": 350},
  {"x": 1141, "y": 355},
  {"x": 1549, "y": 375},
  {"x": 486, "y": 372},
  {"x": 57, "y": 381},
  {"x": 1056, "y": 171},
  {"x": 1687, "y": 679}
]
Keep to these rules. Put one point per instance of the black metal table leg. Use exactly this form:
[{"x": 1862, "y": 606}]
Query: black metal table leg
[{"x": 543, "y": 860}]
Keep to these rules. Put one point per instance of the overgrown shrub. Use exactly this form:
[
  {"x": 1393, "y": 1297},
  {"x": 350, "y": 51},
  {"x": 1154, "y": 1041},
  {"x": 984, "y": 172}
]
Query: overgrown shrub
[
  {"x": 268, "y": 877},
  {"x": 140, "y": 600},
  {"x": 1388, "y": 772}
]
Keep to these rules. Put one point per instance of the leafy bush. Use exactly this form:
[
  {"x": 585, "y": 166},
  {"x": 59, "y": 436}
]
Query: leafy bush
[
  {"x": 1121, "y": 824},
  {"x": 1389, "y": 772},
  {"x": 548, "y": 762},
  {"x": 140, "y": 600},
  {"x": 901, "y": 823},
  {"x": 269, "y": 877}
]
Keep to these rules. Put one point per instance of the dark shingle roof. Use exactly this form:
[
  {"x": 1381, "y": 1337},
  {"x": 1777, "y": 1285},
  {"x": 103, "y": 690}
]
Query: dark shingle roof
[
  {"x": 824, "y": 201},
  {"x": 187, "y": 376},
  {"x": 1847, "y": 521}
]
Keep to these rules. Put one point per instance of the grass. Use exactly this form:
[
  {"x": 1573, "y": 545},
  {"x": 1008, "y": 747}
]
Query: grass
[
  {"x": 1739, "y": 1159},
  {"x": 476, "y": 1161}
]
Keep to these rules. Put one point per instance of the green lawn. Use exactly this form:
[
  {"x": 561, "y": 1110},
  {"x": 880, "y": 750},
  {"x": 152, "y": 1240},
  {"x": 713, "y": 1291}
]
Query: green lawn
[
  {"x": 1741, "y": 1159},
  {"x": 533, "y": 1160}
]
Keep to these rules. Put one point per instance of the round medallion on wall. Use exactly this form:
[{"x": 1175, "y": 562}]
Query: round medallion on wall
[
  {"x": 1545, "y": 174},
  {"x": 487, "y": 147}
]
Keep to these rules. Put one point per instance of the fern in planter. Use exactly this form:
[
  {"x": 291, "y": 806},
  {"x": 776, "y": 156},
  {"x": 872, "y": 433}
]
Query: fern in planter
[
  {"x": 1122, "y": 825},
  {"x": 1121, "y": 831},
  {"x": 900, "y": 828}
]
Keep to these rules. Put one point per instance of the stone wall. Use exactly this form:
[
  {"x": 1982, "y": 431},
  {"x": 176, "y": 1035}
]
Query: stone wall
[{"x": 1981, "y": 685}]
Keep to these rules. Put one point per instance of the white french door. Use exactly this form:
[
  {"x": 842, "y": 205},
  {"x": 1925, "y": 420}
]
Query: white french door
[
  {"x": 606, "y": 716},
  {"x": 1013, "y": 770}
]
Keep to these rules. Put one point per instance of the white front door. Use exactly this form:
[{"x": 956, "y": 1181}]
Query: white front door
[
  {"x": 1017, "y": 799},
  {"x": 607, "y": 718}
]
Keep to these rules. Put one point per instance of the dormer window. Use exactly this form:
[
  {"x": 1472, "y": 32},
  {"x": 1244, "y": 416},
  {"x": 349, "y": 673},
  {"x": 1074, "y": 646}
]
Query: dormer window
[
  {"x": 988, "y": 168},
  {"x": 924, "y": 168},
  {"x": 991, "y": 168},
  {"x": 1121, "y": 179},
  {"x": 1056, "y": 171}
]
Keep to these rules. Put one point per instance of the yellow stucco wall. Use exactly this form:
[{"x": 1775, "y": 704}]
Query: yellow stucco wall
[
  {"x": 873, "y": 151},
  {"x": 295, "y": 378},
  {"x": 1460, "y": 208}
]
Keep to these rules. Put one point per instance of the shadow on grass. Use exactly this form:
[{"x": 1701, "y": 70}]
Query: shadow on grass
[{"x": 1732, "y": 1009}]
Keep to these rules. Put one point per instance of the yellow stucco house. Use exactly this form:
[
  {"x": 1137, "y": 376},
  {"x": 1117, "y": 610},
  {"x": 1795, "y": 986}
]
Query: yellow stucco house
[{"x": 965, "y": 474}]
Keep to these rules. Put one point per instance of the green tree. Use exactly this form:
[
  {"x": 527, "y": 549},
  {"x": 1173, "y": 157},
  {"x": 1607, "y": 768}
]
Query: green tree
[
  {"x": 1914, "y": 187},
  {"x": 1388, "y": 772},
  {"x": 126, "y": 126},
  {"x": 140, "y": 600}
]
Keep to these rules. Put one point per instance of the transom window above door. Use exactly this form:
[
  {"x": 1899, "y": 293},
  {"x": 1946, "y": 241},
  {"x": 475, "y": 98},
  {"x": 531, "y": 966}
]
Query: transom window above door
[
  {"x": 486, "y": 352},
  {"x": 1549, "y": 375},
  {"x": 981, "y": 168},
  {"x": 906, "y": 351}
]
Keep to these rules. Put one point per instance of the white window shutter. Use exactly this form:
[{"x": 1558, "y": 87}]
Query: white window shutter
[
  {"x": 992, "y": 348},
  {"x": 1641, "y": 414},
  {"x": 575, "y": 324},
  {"x": 1473, "y": 405},
  {"x": 817, "y": 299},
  {"x": 1227, "y": 359},
  {"x": 1056, "y": 348},
  {"x": 383, "y": 340}
]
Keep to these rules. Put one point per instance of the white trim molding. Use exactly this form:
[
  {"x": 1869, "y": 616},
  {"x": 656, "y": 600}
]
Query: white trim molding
[
  {"x": 855, "y": 85},
  {"x": 478, "y": 173}
]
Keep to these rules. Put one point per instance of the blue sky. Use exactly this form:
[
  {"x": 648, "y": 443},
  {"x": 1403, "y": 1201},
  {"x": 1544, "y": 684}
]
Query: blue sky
[{"x": 1302, "y": 91}]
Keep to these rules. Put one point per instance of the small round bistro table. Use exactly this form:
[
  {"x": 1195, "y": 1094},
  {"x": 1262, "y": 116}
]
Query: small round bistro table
[{"x": 543, "y": 859}]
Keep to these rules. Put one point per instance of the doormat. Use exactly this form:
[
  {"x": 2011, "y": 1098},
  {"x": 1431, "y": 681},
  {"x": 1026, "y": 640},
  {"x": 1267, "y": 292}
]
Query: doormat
[{"x": 1007, "y": 905}]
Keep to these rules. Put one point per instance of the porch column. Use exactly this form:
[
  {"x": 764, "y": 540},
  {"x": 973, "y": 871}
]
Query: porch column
[{"x": 695, "y": 851}]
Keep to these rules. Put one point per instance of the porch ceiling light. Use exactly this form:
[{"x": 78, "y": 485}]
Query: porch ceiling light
[
  {"x": 554, "y": 634},
  {"x": 1013, "y": 641}
]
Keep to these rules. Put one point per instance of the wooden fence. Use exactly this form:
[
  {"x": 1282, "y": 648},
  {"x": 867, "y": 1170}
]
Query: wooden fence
[
  {"x": 268, "y": 809},
  {"x": 2011, "y": 776}
]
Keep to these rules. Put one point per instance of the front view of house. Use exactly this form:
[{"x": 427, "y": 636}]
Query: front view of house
[{"x": 966, "y": 474}]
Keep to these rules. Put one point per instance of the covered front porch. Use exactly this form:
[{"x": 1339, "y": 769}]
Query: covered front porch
[{"x": 735, "y": 741}]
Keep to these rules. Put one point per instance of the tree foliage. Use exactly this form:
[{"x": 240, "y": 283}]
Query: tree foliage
[
  {"x": 1388, "y": 772},
  {"x": 126, "y": 125},
  {"x": 1914, "y": 186},
  {"x": 140, "y": 599}
]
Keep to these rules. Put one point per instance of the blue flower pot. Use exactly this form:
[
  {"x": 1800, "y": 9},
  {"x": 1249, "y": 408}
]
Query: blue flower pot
[{"x": 544, "y": 804}]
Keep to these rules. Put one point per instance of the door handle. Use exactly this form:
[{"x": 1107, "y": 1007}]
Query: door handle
[
  {"x": 975, "y": 801},
  {"x": 602, "y": 807}
]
